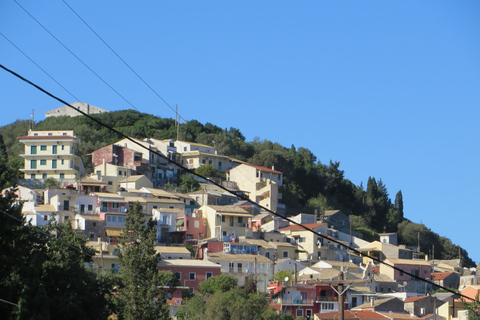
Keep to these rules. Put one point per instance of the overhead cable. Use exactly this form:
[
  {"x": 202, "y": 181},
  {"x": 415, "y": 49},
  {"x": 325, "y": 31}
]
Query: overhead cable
[{"x": 241, "y": 196}]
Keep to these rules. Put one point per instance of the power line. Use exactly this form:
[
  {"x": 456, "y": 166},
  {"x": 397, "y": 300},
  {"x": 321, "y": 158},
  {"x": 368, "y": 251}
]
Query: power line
[
  {"x": 39, "y": 66},
  {"x": 121, "y": 59},
  {"x": 73, "y": 54},
  {"x": 232, "y": 192}
]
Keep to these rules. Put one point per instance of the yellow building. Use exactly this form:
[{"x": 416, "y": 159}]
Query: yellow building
[
  {"x": 260, "y": 183},
  {"x": 226, "y": 222},
  {"x": 52, "y": 154}
]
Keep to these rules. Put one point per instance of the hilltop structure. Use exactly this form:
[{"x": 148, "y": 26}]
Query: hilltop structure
[{"x": 68, "y": 111}]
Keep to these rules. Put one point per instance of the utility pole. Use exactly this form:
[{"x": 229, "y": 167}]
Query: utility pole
[
  {"x": 341, "y": 289},
  {"x": 177, "y": 118}
]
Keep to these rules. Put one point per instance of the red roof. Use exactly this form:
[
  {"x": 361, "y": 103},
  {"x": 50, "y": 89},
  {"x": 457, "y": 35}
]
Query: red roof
[
  {"x": 308, "y": 225},
  {"x": 263, "y": 168},
  {"x": 351, "y": 315},
  {"x": 440, "y": 275},
  {"x": 413, "y": 299}
]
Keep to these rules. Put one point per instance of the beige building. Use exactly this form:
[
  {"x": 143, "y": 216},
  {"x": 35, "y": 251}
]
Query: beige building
[
  {"x": 382, "y": 251},
  {"x": 194, "y": 155},
  {"x": 244, "y": 267},
  {"x": 226, "y": 222},
  {"x": 260, "y": 183},
  {"x": 68, "y": 111},
  {"x": 52, "y": 154},
  {"x": 308, "y": 243}
]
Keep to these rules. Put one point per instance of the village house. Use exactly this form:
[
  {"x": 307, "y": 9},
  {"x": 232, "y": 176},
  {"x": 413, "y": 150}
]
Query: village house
[
  {"x": 307, "y": 242},
  {"x": 419, "y": 268},
  {"x": 245, "y": 267},
  {"x": 226, "y": 222},
  {"x": 52, "y": 154},
  {"x": 260, "y": 183},
  {"x": 190, "y": 273}
]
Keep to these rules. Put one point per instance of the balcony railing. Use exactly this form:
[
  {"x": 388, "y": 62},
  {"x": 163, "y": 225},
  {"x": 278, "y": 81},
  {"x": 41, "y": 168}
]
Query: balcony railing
[
  {"x": 113, "y": 210},
  {"x": 295, "y": 301},
  {"x": 326, "y": 298}
]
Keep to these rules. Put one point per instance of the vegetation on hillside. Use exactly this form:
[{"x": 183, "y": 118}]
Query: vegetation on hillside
[{"x": 309, "y": 185}]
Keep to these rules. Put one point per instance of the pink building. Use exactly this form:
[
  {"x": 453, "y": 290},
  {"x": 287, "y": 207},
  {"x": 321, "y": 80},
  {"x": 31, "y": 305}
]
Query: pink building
[{"x": 190, "y": 273}]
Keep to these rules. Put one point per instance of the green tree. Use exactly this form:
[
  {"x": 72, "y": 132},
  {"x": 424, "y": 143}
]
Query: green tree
[
  {"x": 138, "y": 268},
  {"x": 188, "y": 183},
  {"x": 208, "y": 170},
  {"x": 281, "y": 275},
  {"x": 222, "y": 283},
  {"x": 51, "y": 183}
]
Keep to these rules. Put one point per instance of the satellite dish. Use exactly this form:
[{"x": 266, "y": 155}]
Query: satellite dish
[{"x": 286, "y": 279}]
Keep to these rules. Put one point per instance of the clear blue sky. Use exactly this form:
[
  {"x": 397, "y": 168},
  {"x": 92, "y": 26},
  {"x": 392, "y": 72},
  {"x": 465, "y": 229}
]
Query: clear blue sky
[{"x": 390, "y": 89}]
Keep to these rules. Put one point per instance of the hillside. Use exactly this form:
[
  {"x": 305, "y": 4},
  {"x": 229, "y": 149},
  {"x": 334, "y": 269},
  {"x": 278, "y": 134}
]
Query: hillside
[{"x": 309, "y": 185}]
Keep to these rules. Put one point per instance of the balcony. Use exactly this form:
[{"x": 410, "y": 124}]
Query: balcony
[
  {"x": 295, "y": 302},
  {"x": 326, "y": 298},
  {"x": 113, "y": 210}
]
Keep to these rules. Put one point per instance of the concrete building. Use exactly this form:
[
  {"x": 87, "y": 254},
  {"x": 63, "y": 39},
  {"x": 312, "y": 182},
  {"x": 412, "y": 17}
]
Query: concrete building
[
  {"x": 260, "y": 183},
  {"x": 52, "y": 154},
  {"x": 226, "y": 222},
  {"x": 68, "y": 111},
  {"x": 308, "y": 243},
  {"x": 244, "y": 267},
  {"x": 194, "y": 155}
]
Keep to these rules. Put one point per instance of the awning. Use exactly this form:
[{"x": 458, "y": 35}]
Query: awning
[
  {"x": 111, "y": 232},
  {"x": 179, "y": 222}
]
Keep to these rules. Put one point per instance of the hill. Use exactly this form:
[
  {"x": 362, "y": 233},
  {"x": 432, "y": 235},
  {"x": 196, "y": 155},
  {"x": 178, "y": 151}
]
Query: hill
[{"x": 310, "y": 186}]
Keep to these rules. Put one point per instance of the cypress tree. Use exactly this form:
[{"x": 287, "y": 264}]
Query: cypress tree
[{"x": 138, "y": 269}]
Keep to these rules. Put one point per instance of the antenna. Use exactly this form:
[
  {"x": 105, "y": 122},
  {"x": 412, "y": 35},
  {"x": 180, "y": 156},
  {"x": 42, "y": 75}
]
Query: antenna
[{"x": 32, "y": 122}]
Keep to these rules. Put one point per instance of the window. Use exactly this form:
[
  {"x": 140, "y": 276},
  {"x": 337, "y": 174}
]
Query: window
[
  {"x": 303, "y": 295},
  {"x": 54, "y": 149},
  {"x": 54, "y": 164},
  {"x": 285, "y": 254},
  {"x": 267, "y": 254},
  {"x": 44, "y": 176},
  {"x": 308, "y": 313},
  {"x": 178, "y": 275},
  {"x": 119, "y": 172},
  {"x": 62, "y": 175},
  {"x": 94, "y": 224},
  {"x": 192, "y": 276},
  {"x": 240, "y": 219},
  {"x": 239, "y": 267},
  {"x": 82, "y": 208},
  {"x": 62, "y": 162},
  {"x": 116, "y": 205},
  {"x": 299, "y": 313},
  {"x": 33, "y": 164},
  {"x": 49, "y": 133},
  {"x": 302, "y": 239},
  {"x": 66, "y": 204},
  {"x": 63, "y": 147},
  {"x": 110, "y": 183},
  {"x": 32, "y": 176},
  {"x": 43, "y": 148},
  {"x": 90, "y": 207},
  {"x": 43, "y": 162},
  {"x": 196, "y": 224},
  {"x": 223, "y": 218},
  {"x": 45, "y": 217},
  {"x": 219, "y": 164},
  {"x": 230, "y": 267},
  {"x": 33, "y": 149},
  {"x": 208, "y": 275}
]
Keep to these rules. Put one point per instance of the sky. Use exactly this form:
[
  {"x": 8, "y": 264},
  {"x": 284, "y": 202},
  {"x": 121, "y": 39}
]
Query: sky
[{"x": 390, "y": 89}]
